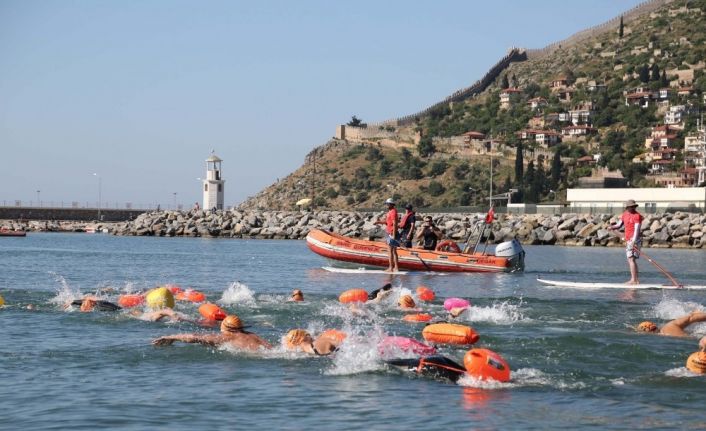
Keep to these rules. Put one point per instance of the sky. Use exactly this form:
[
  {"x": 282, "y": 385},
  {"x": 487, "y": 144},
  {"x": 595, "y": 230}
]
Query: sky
[{"x": 141, "y": 92}]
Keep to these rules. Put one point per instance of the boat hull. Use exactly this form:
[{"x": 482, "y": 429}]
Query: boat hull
[
  {"x": 12, "y": 233},
  {"x": 339, "y": 248}
]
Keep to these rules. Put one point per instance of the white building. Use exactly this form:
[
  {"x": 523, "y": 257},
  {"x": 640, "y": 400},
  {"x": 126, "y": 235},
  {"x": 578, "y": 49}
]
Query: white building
[
  {"x": 649, "y": 199},
  {"x": 675, "y": 114},
  {"x": 213, "y": 184}
]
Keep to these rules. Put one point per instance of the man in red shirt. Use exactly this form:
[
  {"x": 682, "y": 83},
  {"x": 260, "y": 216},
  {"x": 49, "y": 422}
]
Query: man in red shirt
[
  {"x": 632, "y": 220},
  {"x": 390, "y": 222}
]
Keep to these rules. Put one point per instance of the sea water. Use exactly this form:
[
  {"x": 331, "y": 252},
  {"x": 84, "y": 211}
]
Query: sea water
[{"x": 575, "y": 358}]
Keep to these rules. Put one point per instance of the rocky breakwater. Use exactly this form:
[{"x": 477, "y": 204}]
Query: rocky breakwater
[{"x": 682, "y": 230}]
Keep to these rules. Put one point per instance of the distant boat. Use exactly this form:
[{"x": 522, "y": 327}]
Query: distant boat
[{"x": 7, "y": 232}]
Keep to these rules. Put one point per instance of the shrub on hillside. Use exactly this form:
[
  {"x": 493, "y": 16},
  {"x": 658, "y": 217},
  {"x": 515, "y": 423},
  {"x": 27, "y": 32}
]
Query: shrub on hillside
[
  {"x": 438, "y": 168},
  {"x": 435, "y": 188}
]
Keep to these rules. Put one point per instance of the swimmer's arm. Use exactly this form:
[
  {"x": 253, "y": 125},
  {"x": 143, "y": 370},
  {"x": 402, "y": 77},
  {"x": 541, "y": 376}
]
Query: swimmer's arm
[
  {"x": 676, "y": 327},
  {"x": 208, "y": 340}
]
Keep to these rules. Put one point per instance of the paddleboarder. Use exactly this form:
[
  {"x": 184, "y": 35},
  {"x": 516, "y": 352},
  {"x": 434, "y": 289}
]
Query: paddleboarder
[
  {"x": 632, "y": 220},
  {"x": 390, "y": 222}
]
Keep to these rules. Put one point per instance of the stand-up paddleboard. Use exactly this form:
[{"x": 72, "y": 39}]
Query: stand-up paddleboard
[
  {"x": 579, "y": 285},
  {"x": 361, "y": 271}
]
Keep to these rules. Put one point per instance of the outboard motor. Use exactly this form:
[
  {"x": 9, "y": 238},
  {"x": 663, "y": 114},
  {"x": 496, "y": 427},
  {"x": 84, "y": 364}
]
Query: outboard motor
[{"x": 514, "y": 252}]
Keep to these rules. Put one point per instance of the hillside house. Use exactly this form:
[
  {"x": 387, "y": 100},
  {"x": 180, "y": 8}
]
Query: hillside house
[
  {"x": 472, "y": 136},
  {"x": 574, "y": 132},
  {"x": 536, "y": 122},
  {"x": 641, "y": 99},
  {"x": 537, "y": 103},
  {"x": 586, "y": 161},
  {"x": 565, "y": 94},
  {"x": 675, "y": 115},
  {"x": 545, "y": 138},
  {"x": 581, "y": 114},
  {"x": 559, "y": 82},
  {"x": 665, "y": 93},
  {"x": 685, "y": 91},
  {"x": 594, "y": 86},
  {"x": 695, "y": 154},
  {"x": 506, "y": 97}
]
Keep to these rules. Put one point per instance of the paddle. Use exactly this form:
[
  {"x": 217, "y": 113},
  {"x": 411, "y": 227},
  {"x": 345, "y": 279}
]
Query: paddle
[
  {"x": 414, "y": 253},
  {"x": 661, "y": 268}
]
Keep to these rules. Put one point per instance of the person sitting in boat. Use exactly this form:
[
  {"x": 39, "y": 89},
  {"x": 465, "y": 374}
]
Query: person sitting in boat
[
  {"x": 429, "y": 235},
  {"x": 676, "y": 327},
  {"x": 297, "y": 296},
  {"x": 232, "y": 334},
  {"x": 92, "y": 303},
  {"x": 407, "y": 225},
  {"x": 299, "y": 339}
]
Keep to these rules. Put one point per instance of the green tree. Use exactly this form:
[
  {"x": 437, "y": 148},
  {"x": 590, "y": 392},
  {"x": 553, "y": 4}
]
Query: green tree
[
  {"x": 504, "y": 84},
  {"x": 644, "y": 73},
  {"x": 436, "y": 188},
  {"x": 519, "y": 165},
  {"x": 655, "y": 73},
  {"x": 426, "y": 148},
  {"x": 663, "y": 82},
  {"x": 355, "y": 122},
  {"x": 556, "y": 169},
  {"x": 438, "y": 168},
  {"x": 531, "y": 194},
  {"x": 621, "y": 30}
]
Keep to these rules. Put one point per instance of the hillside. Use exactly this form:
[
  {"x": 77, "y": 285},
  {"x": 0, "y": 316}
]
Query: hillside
[{"x": 598, "y": 101}]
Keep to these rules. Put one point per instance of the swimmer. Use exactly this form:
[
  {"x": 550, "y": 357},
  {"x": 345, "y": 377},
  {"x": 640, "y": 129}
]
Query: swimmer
[
  {"x": 457, "y": 311},
  {"x": 165, "y": 313},
  {"x": 702, "y": 343},
  {"x": 232, "y": 334},
  {"x": 674, "y": 328},
  {"x": 297, "y": 296},
  {"x": 299, "y": 339},
  {"x": 378, "y": 295},
  {"x": 406, "y": 301},
  {"x": 91, "y": 303}
]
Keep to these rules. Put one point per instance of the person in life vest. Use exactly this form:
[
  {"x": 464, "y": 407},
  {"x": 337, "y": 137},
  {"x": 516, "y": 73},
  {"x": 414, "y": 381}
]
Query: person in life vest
[
  {"x": 390, "y": 222},
  {"x": 676, "y": 327},
  {"x": 632, "y": 220},
  {"x": 407, "y": 226},
  {"x": 429, "y": 235},
  {"x": 232, "y": 334}
]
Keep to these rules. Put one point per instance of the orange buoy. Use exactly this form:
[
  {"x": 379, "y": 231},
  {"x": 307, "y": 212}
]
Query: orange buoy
[
  {"x": 174, "y": 289},
  {"x": 191, "y": 295},
  {"x": 448, "y": 246},
  {"x": 212, "y": 312},
  {"x": 334, "y": 334},
  {"x": 450, "y": 333},
  {"x": 485, "y": 364},
  {"x": 131, "y": 300},
  {"x": 425, "y": 294},
  {"x": 353, "y": 295},
  {"x": 419, "y": 317}
]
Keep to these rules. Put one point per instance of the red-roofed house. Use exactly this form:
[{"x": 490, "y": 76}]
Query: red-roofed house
[
  {"x": 559, "y": 82},
  {"x": 506, "y": 95},
  {"x": 537, "y": 103},
  {"x": 685, "y": 91},
  {"x": 468, "y": 137},
  {"x": 642, "y": 99},
  {"x": 573, "y": 132}
]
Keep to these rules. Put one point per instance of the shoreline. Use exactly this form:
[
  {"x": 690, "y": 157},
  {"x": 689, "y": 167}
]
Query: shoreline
[{"x": 667, "y": 230}]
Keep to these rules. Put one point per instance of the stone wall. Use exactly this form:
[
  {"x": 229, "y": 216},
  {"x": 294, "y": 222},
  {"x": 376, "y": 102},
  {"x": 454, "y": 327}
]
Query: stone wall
[
  {"x": 76, "y": 214},
  {"x": 679, "y": 230}
]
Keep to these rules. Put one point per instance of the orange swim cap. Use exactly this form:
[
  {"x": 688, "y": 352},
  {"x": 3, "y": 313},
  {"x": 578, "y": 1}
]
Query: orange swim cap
[
  {"x": 406, "y": 301},
  {"x": 296, "y": 337},
  {"x": 696, "y": 363},
  {"x": 647, "y": 326},
  {"x": 88, "y": 304},
  {"x": 297, "y": 295},
  {"x": 231, "y": 323}
]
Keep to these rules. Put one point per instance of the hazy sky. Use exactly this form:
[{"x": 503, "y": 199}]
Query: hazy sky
[{"x": 141, "y": 91}]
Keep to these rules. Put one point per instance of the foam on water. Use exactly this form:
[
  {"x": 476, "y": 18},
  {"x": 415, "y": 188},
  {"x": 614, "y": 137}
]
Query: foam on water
[
  {"x": 64, "y": 293},
  {"x": 502, "y": 313},
  {"x": 237, "y": 293},
  {"x": 668, "y": 309},
  {"x": 358, "y": 354},
  {"x": 520, "y": 378},
  {"x": 681, "y": 372}
]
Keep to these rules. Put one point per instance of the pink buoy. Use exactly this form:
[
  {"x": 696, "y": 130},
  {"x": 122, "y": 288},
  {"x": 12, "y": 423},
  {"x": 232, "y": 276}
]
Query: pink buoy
[
  {"x": 456, "y": 303},
  {"x": 391, "y": 345}
]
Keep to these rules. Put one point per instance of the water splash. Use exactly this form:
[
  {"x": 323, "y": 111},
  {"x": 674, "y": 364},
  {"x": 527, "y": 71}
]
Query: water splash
[
  {"x": 502, "y": 313},
  {"x": 669, "y": 309},
  {"x": 237, "y": 293},
  {"x": 520, "y": 378},
  {"x": 358, "y": 354},
  {"x": 681, "y": 372},
  {"x": 64, "y": 293}
]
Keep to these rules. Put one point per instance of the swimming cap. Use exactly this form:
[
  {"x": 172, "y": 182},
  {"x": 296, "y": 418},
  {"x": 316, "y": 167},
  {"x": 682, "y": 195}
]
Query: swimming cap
[
  {"x": 2, "y": 301},
  {"x": 88, "y": 304},
  {"x": 295, "y": 337},
  {"x": 406, "y": 301},
  {"x": 160, "y": 297},
  {"x": 647, "y": 326},
  {"x": 297, "y": 295},
  {"x": 231, "y": 323},
  {"x": 696, "y": 363}
]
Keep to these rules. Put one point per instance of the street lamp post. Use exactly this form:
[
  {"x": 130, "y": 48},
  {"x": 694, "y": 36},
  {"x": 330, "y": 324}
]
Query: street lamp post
[
  {"x": 175, "y": 206},
  {"x": 99, "y": 194},
  {"x": 39, "y": 201}
]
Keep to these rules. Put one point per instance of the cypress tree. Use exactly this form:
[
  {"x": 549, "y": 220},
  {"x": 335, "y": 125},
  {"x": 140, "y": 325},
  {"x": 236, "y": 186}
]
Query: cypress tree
[
  {"x": 663, "y": 79},
  {"x": 655, "y": 73},
  {"x": 505, "y": 84},
  {"x": 556, "y": 169},
  {"x": 644, "y": 73},
  {"x": 620, "y": 32},
  {"x": 519, "y": 167}
]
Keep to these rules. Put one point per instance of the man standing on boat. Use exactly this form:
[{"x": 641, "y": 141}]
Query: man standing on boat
[
  {"x": 407, "y": 226},
  {"x": 632, "y": 220},
  {"x": 390, "y": 222}
]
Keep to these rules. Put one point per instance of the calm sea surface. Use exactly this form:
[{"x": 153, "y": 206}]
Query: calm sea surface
[{"x": 576, "y": 362}]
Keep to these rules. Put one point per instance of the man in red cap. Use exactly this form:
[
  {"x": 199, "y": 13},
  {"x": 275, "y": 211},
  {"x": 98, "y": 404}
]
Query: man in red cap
[{"x": 632, "y": 220}]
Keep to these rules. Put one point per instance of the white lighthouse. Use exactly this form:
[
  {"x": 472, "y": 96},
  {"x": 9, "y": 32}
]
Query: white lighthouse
[{"x": 213, "y": 184}]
